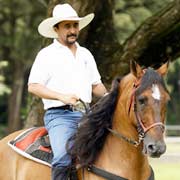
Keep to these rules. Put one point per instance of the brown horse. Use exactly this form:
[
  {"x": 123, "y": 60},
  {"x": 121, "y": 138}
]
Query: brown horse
[{"x": 114, "y": 138}]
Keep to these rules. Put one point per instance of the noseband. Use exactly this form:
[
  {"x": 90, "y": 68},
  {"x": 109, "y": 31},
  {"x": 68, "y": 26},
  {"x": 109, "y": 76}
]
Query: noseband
[{"x": 142, "y": 130}]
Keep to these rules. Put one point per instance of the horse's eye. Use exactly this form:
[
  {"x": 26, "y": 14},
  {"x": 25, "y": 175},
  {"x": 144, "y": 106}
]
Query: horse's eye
[{"x": 142, "y": 100}]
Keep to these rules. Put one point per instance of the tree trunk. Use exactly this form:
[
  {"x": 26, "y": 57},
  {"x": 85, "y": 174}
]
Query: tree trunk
[
  {"x": 14, "y": 104},
  {"x": 36, "y": 113}
]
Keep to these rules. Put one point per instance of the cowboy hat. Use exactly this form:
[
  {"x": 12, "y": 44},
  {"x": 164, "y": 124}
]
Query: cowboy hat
[{"x": 62, "y": 12}]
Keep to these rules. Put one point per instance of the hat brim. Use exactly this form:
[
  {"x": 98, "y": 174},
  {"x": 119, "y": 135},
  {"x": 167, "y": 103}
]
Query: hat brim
[{"x": 46, "y": 27}]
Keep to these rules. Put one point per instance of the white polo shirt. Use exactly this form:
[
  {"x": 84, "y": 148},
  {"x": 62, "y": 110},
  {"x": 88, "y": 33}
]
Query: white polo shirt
[{"x": 58, "y": 69}]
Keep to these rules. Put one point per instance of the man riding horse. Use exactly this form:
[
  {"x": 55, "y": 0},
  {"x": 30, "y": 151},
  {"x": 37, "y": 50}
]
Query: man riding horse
[{"x": 63, "y": 73}]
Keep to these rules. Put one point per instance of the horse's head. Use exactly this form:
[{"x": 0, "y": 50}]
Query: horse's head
[{"x": 150, "y": 98}]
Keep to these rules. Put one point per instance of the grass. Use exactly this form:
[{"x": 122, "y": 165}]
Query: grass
[
  {"x": 168, "y": 166},
  {"x": 173, "y": 148},
  {"x": 166, "y": 171}
]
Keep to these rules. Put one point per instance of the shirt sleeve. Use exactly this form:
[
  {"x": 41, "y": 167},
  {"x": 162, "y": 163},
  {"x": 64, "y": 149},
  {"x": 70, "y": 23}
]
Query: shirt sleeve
[
  {"x": 94, "y": 73},
  {"x": 39, "y": 72}
]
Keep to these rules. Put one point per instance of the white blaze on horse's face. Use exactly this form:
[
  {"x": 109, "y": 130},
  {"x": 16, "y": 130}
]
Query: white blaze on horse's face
[{"x": 156, "y": 92}]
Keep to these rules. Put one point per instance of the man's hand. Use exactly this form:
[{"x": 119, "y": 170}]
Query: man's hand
[
  {"x": 69, "y": 99},
  {"x": 43, "y": 92}
]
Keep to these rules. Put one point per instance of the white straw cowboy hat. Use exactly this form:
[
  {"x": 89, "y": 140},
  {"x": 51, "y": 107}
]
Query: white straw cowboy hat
[{"x": 62, "y": 12}]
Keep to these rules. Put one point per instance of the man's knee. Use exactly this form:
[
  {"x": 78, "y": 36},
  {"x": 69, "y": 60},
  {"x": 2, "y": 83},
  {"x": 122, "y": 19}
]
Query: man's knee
[{"x": 61, "y": 161}]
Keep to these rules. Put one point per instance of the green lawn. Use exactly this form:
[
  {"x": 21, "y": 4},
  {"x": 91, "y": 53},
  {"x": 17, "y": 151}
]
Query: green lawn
[
  {"x": 166, "y": 171},
  {"x": 173, "y": 148},
  {"x": 168, "y": 168}
]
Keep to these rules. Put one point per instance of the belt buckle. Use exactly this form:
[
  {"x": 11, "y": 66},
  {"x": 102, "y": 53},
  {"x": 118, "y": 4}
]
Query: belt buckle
[{"x": 79, "y": 106}]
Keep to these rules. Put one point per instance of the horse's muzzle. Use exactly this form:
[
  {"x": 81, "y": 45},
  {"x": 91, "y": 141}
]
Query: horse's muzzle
[{"x": 154, "y": 148}]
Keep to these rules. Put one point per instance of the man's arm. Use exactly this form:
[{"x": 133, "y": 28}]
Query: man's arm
[
  {"x": 99, "y": 90},
  {"x": 43, "y": 92}
]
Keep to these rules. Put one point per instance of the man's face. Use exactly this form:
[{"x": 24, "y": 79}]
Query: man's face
[{"x": 68, "y": 32}]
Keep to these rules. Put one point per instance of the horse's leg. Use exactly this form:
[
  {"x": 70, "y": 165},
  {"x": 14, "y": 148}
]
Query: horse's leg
[{"x": 16, "y": 167}]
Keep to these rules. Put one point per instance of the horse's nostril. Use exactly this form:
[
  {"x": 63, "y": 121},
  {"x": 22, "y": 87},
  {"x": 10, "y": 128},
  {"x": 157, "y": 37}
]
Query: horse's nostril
[
  {"x": 155, "y": 149},
  {"x": 152, "y": 147}
]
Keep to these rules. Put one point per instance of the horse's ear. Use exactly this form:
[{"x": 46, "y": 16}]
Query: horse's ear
[
  {"x": 163, "y": 69},
  {"x": 136, "y": 69}
]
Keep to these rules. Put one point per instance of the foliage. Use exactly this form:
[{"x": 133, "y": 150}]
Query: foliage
[
  {"x": 19, "y": 30},
  {"x": 2, "y": 131},
  {"x": 4, "y": 91},
  {"x": 18, "y": 46},
  {"x": 20, "y": 41},
  {"x": 129, "y": 14},
  {"x": 173, "y": 80},
  {"x": 3, "y": 87}
]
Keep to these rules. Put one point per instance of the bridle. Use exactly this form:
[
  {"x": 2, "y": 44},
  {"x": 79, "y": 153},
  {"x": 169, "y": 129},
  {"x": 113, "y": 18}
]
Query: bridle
[{"x": 142, "y": 130}]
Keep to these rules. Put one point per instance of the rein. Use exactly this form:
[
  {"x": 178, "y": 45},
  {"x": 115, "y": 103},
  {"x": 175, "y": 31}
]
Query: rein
[
  {"x": 103, "y": 173},
  {"x": 110, "y": 176}
]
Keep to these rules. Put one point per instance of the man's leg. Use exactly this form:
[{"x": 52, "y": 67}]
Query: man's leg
[
  {"x": 64, "y": 173},
  {"x": 61, "y": 127},
  {"x": 73, "y": 173},
  {"x": 59, "y": 136},
  {"x": 58, "y": 173}
]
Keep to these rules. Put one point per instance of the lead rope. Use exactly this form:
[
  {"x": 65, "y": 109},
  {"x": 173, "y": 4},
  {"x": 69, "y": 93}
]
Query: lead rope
[
  {"x": 131, "y": 141},
  {"x": 86, "y": 106},
  {"x": 81, "y": 106}
]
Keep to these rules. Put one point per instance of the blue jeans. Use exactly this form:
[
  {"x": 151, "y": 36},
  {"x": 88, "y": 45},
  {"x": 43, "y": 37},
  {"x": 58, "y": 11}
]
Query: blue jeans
[{"x": 61, "y": 125}]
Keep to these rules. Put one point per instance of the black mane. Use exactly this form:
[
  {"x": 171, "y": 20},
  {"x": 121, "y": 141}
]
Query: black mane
[{"x": 92, "y": 132}]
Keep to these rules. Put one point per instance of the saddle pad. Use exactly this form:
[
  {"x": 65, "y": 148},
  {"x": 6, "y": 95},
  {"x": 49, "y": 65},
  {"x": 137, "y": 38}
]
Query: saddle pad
[{"x": 32, "y": 144}]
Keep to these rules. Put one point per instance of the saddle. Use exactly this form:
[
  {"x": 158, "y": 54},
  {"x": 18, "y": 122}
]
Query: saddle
[{"x": 33, "y": 144}]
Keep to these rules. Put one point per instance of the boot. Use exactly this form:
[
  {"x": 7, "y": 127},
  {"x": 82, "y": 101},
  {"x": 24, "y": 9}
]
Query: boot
[
  {"x": 73, "y": 174},
  {"x": 59, "y": 173}
]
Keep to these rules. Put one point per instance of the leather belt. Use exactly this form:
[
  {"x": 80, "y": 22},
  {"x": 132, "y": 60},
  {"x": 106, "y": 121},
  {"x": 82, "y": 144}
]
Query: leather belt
[
  {"x": 65, "y": 107},
  {"x": 81, "y": 107}
]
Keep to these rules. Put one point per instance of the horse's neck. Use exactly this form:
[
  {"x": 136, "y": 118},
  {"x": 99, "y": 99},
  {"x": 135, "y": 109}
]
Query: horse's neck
[
  {"x": 119, "y": 156},
  {"x": 123, "y": 159}
]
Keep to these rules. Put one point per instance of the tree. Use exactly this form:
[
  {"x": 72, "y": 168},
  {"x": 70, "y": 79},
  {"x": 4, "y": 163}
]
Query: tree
[
  {"x": 154, "y": 42},
  {"x": 173, "y": 80},
  {"x": 118, "y": 34},
  {"x": 18, "y": 42}
]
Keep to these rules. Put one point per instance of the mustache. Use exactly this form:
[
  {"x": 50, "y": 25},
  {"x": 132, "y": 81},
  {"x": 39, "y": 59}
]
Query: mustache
[{"x": 72, "y": 35}]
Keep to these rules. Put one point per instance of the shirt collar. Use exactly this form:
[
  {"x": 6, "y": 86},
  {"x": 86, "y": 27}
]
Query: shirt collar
[{"x": 58, "y": 44}]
